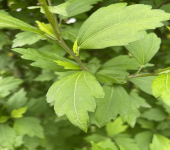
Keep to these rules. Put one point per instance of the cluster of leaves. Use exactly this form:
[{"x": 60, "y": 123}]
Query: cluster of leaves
[{"x": 119, "y": 95}]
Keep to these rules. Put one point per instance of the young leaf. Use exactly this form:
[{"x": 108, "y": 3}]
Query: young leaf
[
  {"x": 7, "y": 136},
  {"x": 18, "y": 113},
  {"x": 30, "y": 126},
  {"x": 24, "y": 38},
  {"x": 7, "y": 21},
  {"x": 46, "y": 28},
  {"x": 43, "y": 60},
  {"x": 144, "y": 83},
  {"x": 75, "y": 48},
  {"x": 68, "y": 65},
  {"x": 122, "y": 62},
  {"x": 79, "y": 6},
  {"x": 7, "y": 84},
  {"x": 115, "y": 101},
  {"x": 161, "y": 87},
  {"x": 143, "y": 50},
  {"x": 100, "y": 30},
  {"x": 73, "y": 96},
  {"x": 115, "y": 127}
]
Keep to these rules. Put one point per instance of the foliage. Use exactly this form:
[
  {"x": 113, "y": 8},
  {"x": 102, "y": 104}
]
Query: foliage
[{"x": 101, "y": 82}]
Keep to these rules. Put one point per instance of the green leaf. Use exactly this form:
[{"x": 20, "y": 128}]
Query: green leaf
[
  {"x": 46, "y": 28},
  {"x": 122, "y": 148},
  {"x": 156, "y": 145},
  {"x": 79, "y": 6},
  {"x": 115, "y": 127},
  {"x": 68, "y": 65},
  {"x": 154, "y": 114},
  {"x": 24, "y": 38},
  {"x": 31, "y": 142},
  {"x": 3, "y": 119},
  {"x": 73, "y": 96},
  {"x": 144, "y": 83},
  {"x": 96, "y": 147},
  {"x": 143, "y": 139},
  {"x": 100, "y": 30},
  {"x": 7, "y": 84},
  {"x": 95, "y": 138},
  {"x": 43, "y": 60},
  {"x": 166, "y": 8},
  {"x": 17, "y": 100},
  {"x": 30, "y": 126},
  {"x": 7, "y": 21},
  {"x": 116, "y": 101},
  {"x": 7, "y": 136},
  {"x": 75, "y": 48},
  {"x": 18, "y": 113},
  {"x": 122, "y": 62},
  {"x": 143, "y": 50},
  {"x": 161, "y": 87},
  {"x": 109, "y": 77}
]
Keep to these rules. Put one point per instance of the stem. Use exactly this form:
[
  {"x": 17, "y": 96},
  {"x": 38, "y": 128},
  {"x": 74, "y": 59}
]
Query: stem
[
  {"x": 139, "y": 69},
  {"x": 57, "y": 32},
  {"x": 165, "y": 2},
  {"x": 148, "y": 74},
  {"x": 50, "y": 18}
]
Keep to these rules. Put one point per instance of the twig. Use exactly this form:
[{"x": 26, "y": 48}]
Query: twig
[{"x": 165, "y": 2}]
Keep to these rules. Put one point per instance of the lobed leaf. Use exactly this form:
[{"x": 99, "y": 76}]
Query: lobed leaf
[
  {"x": 117, "y": 25},
  {"x": 43, "y": 60},
  {"x": 73, "y": 96}
]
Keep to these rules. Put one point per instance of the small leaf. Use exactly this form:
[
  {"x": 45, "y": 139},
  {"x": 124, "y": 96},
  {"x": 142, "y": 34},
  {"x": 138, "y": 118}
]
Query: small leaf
[
  {"x": 73, "y": 96},
  {"x": 143, "y": 50},
  {"x": 46, "y": 28},
  {"x": 100, "y": 30},
  {"x": 7, "y": 21},
  {"x": 75, "y": 48},
  {"x": 68, "y": 65},
  {"x": 18, "y": 113},
  {"x": 144, "y": 83},
  {"x": 30, "y": 126},
  {"x": 161, "y": 87},
  {"x": 115, "y": 127},
  {"x": 24, "y": 38},
  {"x": 3, "y": 119}
]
